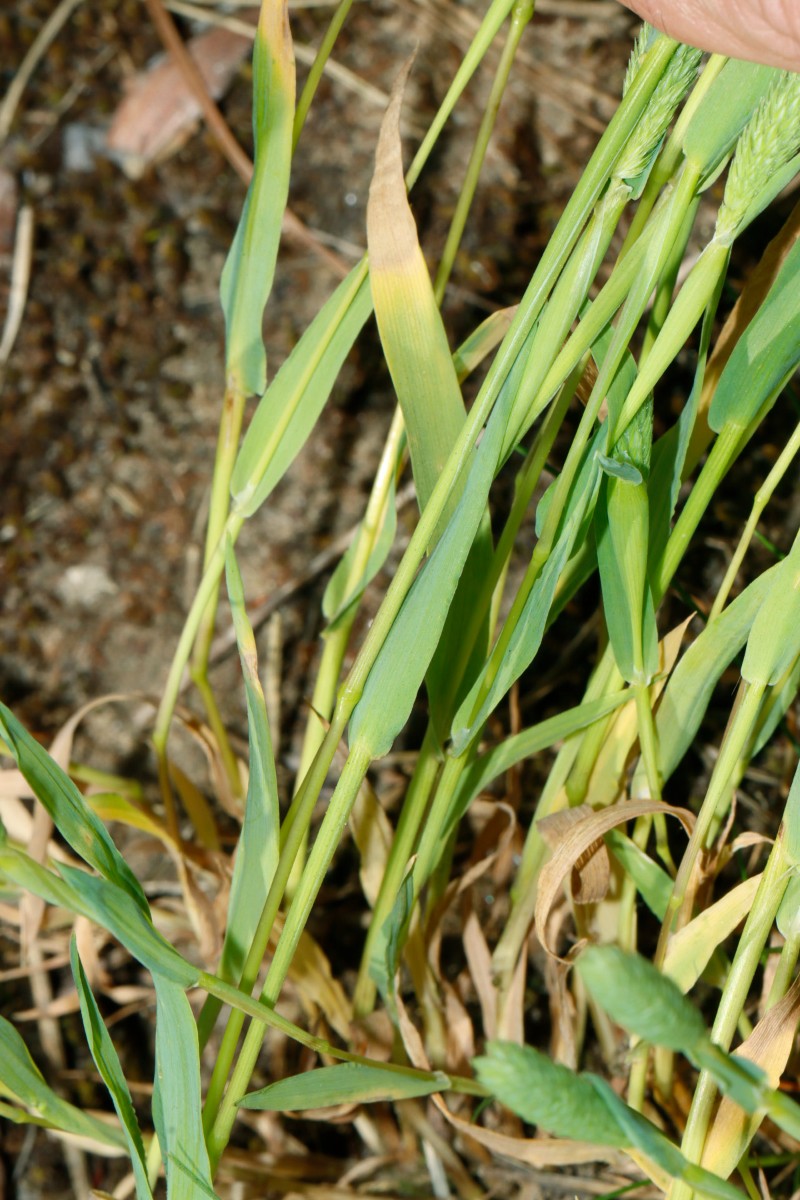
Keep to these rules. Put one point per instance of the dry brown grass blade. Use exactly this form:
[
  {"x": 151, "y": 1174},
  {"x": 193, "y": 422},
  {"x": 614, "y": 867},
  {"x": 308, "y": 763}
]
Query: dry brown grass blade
[
  {"x": 592, "y": 869},
  {"x": 533, "y": 1152},
  {"x": 769, "y": 1046},
  {"x": 579, "y": 839}
]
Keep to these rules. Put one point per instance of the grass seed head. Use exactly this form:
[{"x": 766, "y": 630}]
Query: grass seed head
[
  {"x": 770, "y": 139},
  {"x": 675, "y": 83}
]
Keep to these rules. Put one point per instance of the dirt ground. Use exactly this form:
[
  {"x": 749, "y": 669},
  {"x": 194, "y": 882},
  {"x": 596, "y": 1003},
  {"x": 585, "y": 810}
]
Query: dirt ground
[{"x": 111, "y": 395}]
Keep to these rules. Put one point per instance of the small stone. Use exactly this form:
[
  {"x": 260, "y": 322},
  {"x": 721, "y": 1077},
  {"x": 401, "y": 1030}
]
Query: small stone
[{"x": 85, "y": 585}]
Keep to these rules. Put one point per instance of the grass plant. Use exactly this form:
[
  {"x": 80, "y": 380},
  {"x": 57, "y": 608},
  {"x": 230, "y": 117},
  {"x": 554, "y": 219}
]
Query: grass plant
[{"x": 571, "y": 415}]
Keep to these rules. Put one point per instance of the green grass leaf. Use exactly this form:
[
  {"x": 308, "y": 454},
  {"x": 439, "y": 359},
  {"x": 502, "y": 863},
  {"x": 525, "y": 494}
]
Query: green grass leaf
[
  {"x": 397, "y": 675},
  {"x": 409, "y": 323},
  {"x": 495, "y": 762},
  {"x": 342, "y": 593},
  {"x": 765, "y": 355},
  {"x": 774, "y": 641},
  {"x": 688, "y": 692},
  {"x": 258, "y": 849},
  {"x": 103, "y": 902},
  {"x": 111, "y": 909},
  {"x": 250, "y": 267},
  {"x": 21, "y": 1080},
  {"x": 177, "y": 1112},
  {"x": 73, "y": 817},
  {"x": 288, "y": 410},
  {"x": 496, "y": 678},
  {"x": 652, "y": 881},
  {"x": 348, "y": 1083},
  {"x": 107, "y": 1062}
]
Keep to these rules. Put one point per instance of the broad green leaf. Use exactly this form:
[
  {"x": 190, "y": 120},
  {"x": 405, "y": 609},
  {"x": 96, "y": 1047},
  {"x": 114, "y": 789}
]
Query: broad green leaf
[
  {"x": 177, "y": 1109},
  {"x": 250, "y": 266},
  {"x": 409, "y": 323},
  {"x": 495, "y": 762},
  {"x": 288, "y": 410},
  {"x": 107, "y": 1062},
  {"x": 638, "y": 997},
  {"x": 258, "y": 848},
  {"x": 21, "y": 1080},
  {"x": 341, "y": 593},
  {"x": 72, "y": 816},
  {"x": 765, "y": 355},
  {"x": 397, "y": 674},
  {"x": 348, "y": 1083},
  {"x": 547, "y": 1094},
  {"x": 724, "y": 111},
  {"x": 488, "y": 690},
  {"x": 688, "y": 692},
  {"x": 774, "y": 641}
]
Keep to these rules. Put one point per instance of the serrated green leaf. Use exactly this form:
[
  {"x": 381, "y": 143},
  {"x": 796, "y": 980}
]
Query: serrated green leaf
[
  {"x": 74, "y": 819},
  {"x": 348, "y": 1083},
  {"x": 107, "y": 1062},
  {"x": 258, "y": 849},
  {"x": 547, "y": 1094},
  {"x": 638, "y": 997},
  {"x": 250, "y": 266}
]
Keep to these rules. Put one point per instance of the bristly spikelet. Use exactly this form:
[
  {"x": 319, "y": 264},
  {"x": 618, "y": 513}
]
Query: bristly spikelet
[
  {"x": 673, "y": 86},
  {"x": 770, "y": 139},
  {"x": 637, "y": 54}
]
